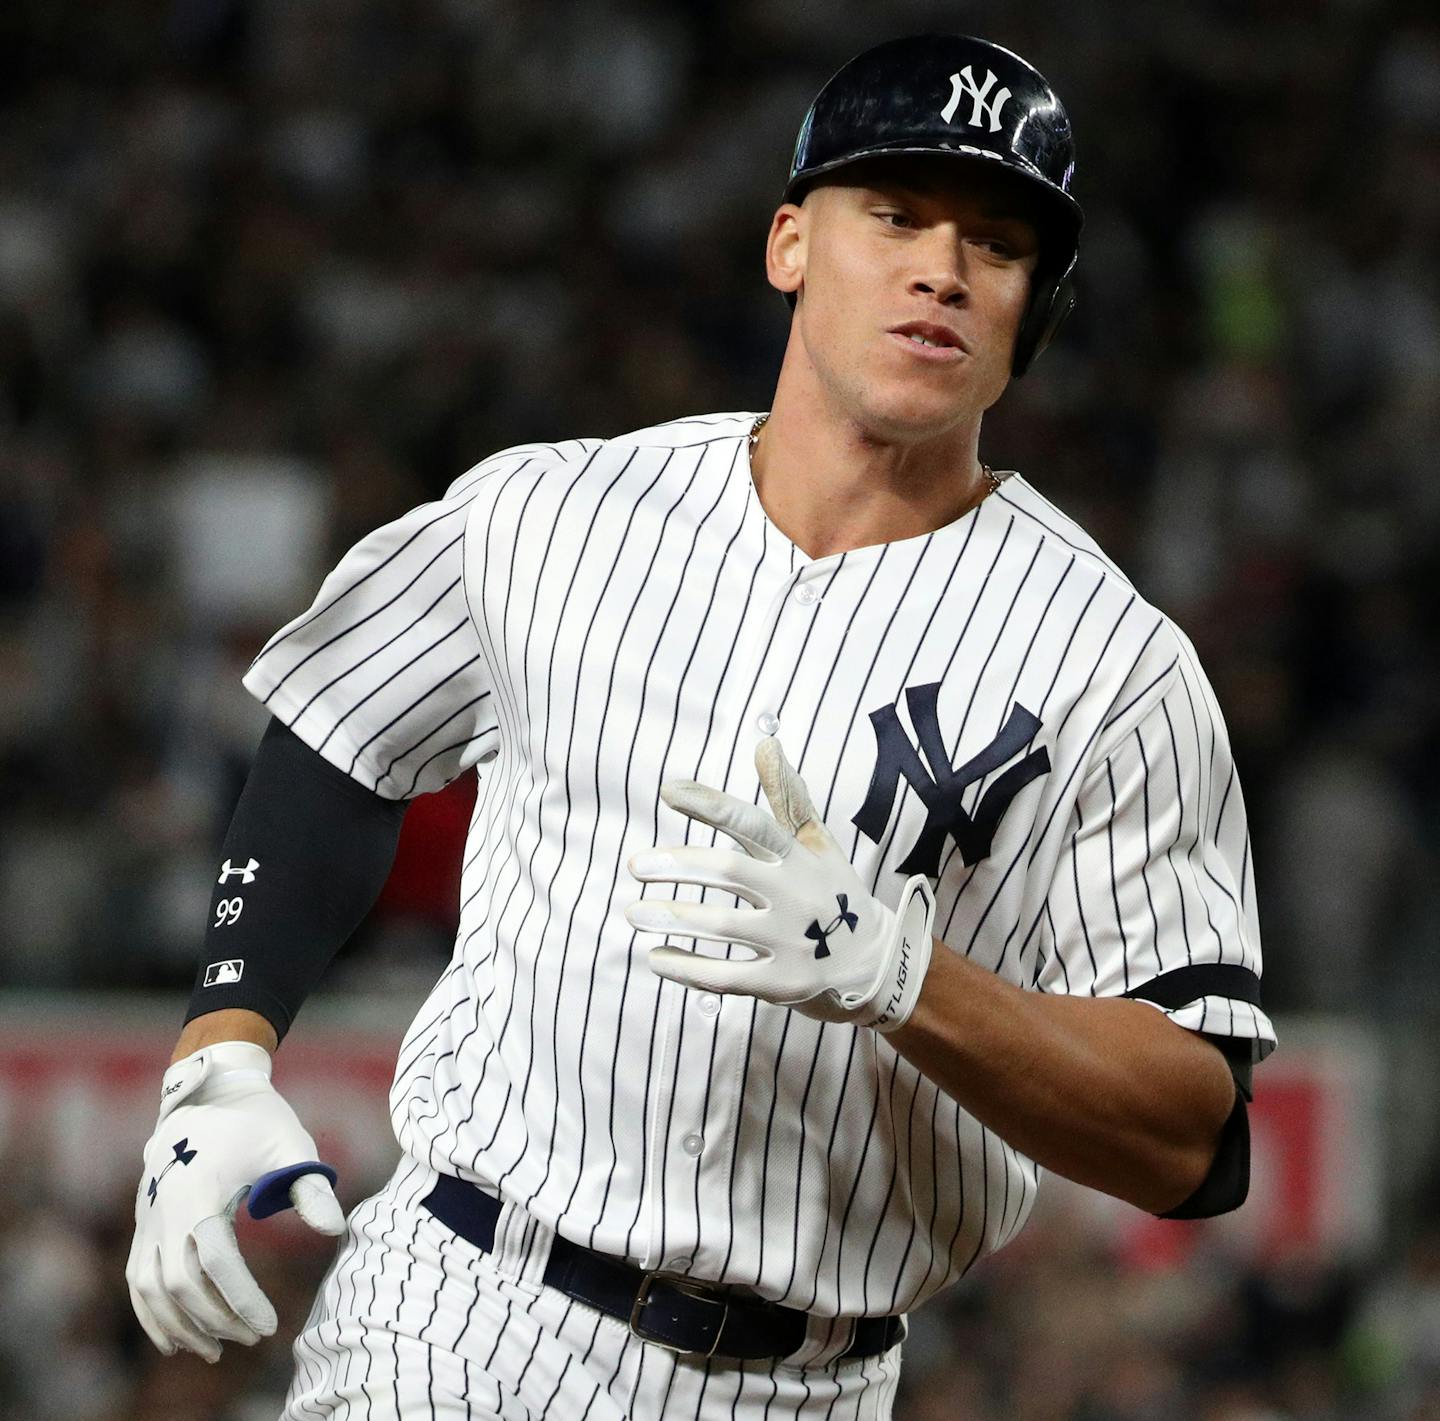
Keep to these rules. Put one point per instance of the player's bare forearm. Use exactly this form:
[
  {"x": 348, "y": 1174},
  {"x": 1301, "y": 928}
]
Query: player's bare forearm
[
  {"x": 1105, "y": 1091},
  {"x": 232, "y": 1024}
]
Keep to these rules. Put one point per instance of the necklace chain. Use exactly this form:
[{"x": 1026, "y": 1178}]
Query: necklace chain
[{"x": 992, "y": 479}]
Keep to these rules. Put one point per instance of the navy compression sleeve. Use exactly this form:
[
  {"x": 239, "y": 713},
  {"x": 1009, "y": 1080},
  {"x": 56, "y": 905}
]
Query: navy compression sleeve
[{"x": 307, "y": 853}]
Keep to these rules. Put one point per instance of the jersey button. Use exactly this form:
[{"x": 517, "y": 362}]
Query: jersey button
[
  {"x": 709, "y": 1004},
  {"x": 807, "y": 594},
  {"x": 692, "y": 1144},
  {"x": 677, "y": 1265},
  {"x": 769, "y": 724}
]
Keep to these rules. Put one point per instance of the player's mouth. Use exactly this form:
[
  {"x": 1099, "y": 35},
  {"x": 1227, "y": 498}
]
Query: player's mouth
[{"x": 927, "y": 341}]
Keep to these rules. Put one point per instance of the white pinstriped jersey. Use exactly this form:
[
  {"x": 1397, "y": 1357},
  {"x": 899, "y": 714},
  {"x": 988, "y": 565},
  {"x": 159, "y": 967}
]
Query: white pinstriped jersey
[{"x": 992, "y": 700}]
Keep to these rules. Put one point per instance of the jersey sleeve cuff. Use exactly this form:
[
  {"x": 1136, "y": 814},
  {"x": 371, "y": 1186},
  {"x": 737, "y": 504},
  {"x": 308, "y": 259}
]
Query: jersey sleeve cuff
[
  {"x": 1218, "y": 999},
  {"x": 318, "y": 729}
]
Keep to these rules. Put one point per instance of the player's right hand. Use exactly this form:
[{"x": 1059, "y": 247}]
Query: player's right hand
[{"x": 223, "y": 1133}]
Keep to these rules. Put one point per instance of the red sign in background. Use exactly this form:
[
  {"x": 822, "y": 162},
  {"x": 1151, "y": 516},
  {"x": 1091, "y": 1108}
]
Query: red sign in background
[
  {"x": 79, "y": 1089},
  {"x": 1317, "y": 1173},
  {"x": 79, "y": 1083}
]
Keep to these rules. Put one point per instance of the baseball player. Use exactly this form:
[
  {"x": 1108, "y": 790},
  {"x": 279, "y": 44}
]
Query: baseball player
[{"x": 853, "y": 844}]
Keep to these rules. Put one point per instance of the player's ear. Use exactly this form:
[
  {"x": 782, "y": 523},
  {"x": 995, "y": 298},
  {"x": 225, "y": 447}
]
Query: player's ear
[{"x": 785, "y": 247}]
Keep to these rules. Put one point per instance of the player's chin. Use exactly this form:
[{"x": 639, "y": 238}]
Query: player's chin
[{"x": 911, "y": 412}]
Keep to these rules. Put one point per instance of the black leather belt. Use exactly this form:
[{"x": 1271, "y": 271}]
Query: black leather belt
[{"x": 673, "y": 1312}]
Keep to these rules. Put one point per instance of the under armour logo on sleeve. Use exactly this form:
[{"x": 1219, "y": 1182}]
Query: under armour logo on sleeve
[{"x": 246, "y": 871}]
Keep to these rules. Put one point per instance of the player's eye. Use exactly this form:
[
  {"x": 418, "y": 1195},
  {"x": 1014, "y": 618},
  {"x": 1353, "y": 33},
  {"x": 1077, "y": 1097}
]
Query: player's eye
[{"x": 892, "y": 217}]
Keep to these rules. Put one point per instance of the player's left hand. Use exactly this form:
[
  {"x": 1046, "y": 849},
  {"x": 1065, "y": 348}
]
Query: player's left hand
[{"x": 823, "y": 944}]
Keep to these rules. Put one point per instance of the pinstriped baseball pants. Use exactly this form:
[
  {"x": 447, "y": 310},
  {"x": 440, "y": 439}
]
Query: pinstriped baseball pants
[{"x": 415, "y": 1324}]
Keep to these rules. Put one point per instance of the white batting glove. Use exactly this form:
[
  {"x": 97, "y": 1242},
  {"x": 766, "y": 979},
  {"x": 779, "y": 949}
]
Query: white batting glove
[
  {"x": 823, "y": 944},
  {"x": 223, "y": 1133}
]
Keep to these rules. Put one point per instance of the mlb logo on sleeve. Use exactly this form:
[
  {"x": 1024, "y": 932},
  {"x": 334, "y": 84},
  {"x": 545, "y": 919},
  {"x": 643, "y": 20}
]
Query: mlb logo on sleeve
[{"x": 217, "y": 974}]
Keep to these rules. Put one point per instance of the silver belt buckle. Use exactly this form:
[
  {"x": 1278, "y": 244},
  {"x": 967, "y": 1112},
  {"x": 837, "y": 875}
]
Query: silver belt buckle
[{"x": 690, "y": 1289}]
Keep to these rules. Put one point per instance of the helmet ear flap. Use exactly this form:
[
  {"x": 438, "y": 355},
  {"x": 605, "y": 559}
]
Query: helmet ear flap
[{"x": 1050, "y": 303}]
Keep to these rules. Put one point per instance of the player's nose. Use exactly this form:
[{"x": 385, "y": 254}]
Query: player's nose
[{"x": 938, "y": 270}]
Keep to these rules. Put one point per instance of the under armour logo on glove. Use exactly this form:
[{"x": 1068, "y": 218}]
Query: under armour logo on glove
[
  {"x": 182, "y": 1156},
  {"x": 821, "y": 934}
]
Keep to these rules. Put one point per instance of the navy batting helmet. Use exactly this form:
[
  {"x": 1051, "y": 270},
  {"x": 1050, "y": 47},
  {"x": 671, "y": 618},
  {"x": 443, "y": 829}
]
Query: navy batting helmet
[{"x": 967, "y": 98}]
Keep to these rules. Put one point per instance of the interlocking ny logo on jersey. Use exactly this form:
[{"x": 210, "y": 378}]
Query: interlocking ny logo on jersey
[
  {"x": 896, "y": 756},
  {"x": 964, "y": 83},
  {"x": 821, "y": 936},
  {"x": 183, "y": 1155}
]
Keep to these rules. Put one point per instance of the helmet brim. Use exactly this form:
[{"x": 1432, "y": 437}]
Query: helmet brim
[{"x": 1059, "y": 206}]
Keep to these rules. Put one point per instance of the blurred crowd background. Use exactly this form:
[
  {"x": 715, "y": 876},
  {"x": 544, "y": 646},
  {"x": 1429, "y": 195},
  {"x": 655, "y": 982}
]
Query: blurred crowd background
[{"x": 273, "y": 271}]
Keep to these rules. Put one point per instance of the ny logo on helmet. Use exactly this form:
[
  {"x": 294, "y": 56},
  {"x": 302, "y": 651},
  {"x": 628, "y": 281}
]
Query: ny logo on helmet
[
  {"x": 941, "y": 787},
  {"x": 964, "y": 83}
]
